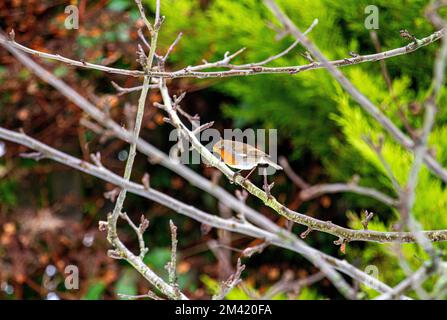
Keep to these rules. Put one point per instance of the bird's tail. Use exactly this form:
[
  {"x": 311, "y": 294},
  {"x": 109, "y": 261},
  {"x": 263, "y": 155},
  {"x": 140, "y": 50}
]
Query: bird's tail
[{"x": 273, "y": 164}]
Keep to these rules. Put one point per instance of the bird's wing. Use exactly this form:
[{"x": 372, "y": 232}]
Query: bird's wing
[{"x": 253, "y": 152}]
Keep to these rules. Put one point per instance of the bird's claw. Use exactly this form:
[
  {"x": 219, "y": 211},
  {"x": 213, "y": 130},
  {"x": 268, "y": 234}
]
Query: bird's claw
[{"x": 267, "y": 188}]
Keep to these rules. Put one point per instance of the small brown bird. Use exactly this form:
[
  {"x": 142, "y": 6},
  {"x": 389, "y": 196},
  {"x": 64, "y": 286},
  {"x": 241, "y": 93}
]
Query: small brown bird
[{"x": 243, "y": 156}]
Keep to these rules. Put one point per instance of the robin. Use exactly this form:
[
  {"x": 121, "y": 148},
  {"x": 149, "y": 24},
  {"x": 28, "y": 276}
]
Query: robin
[{"x": 243, "y": 156}]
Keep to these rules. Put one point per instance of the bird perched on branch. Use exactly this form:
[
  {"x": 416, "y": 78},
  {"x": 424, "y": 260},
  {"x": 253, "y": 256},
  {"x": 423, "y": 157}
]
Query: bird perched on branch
[{"x": 243, "y": 156}]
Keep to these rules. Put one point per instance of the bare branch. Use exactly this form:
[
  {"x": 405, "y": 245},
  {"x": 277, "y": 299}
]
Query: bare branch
[
  {"x": 418, "y": 277},
  {"x": 171, "y": 48},
  {"x": 172, "y": 265},
  {"x": 36, "y": 156},
  {"x": 279, "y": 55},
  {"x": 231, "y": 282},
  {"x": 196, "y": 71},
  {"x": 149, "y": 295},
  {"x": 143, "y": 16},
  {"x": 71, "y": 62},
  {"x": 112, "y": 219},
  {"x": 122, "y": 90},
  {"x": 96, "y": 158},
  {"x": 287, "y": 284},
  {"x": 296, "y": 179},
  {"x": 250, "y": 251},
  {"x": 146, "y": 181},
  {"x": 367, "y": 219},
  {"x": 320, "y": 189},
  {"x": 112, "y": 194},
  {"x": 139, "y": 232},
  {"x": 377, "y": 148},
  {"x": 310, "y": 192},
  {"x": 242, "y": 196}
]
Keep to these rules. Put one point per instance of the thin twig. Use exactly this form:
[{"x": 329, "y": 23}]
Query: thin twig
[
  {"x": 112, "y": 219},
  {"x": 309, "y": 192},
  {"x": 296, "y": 179},
  {"x": 150, "y": 295},
  {"x": 139, "y": 232},
  {"x": 171, "y": 48},
  {"x": 196, "y": 71},
  {"x": 321, "y": 189},
  {"x": 250, "y": 251},
  {"x": 231, "y": 282},
  {"x": 287, "y": 284},
  {"x": 279, "y": 55},
  {"x": 418, "y": 277},
  {"x": 377, "y": 148},
  {"x": 143, "y": 16},
  {"x": 122, "y": 90}
]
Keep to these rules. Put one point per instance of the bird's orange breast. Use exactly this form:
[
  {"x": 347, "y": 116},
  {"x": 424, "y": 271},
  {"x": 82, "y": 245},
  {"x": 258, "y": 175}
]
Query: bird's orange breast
[{"x": 228, "y": 157}]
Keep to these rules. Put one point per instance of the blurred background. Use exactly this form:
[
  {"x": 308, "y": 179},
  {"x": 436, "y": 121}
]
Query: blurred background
[{"x": 49, "y": 213}]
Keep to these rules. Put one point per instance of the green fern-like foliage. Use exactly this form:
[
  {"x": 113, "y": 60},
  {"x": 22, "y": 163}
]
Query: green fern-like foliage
[{"x": 431, "y": 194}]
